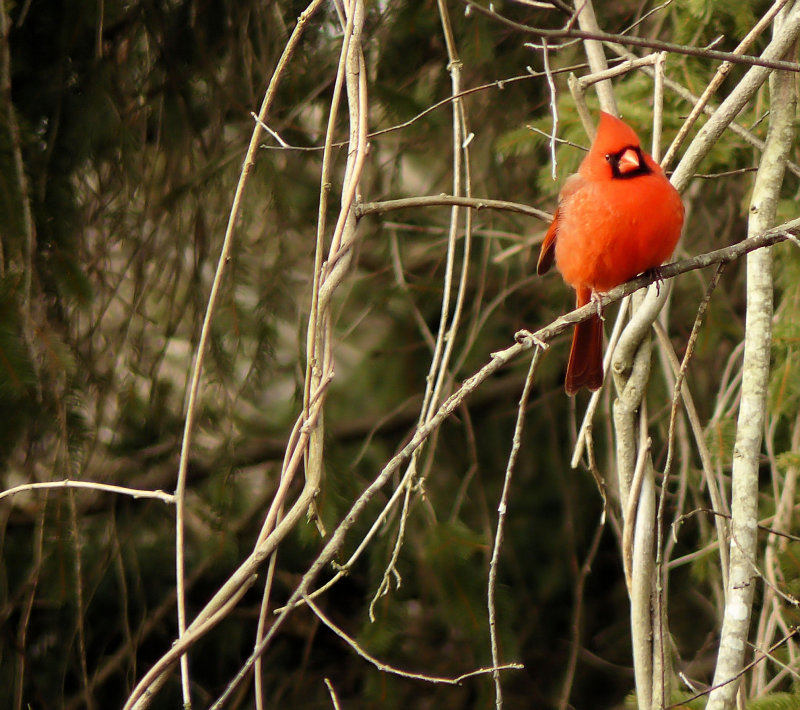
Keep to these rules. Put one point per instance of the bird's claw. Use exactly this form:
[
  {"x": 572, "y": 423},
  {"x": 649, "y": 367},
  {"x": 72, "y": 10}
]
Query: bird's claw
[{"x": 657, "y": 277}]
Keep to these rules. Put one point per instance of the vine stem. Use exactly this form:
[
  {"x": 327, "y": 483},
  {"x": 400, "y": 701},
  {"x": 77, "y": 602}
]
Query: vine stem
[{"x": 197, "y": 369}]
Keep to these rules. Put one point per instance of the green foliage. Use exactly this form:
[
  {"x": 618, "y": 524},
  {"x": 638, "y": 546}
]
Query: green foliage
[
  {"x": 719, "y": 439},
  {"x": 785, "y": 379},
  {"x": 788, "y": 459},
  {"x": 775, "y": 701},
  {"x": 722, "y": 16},
  {"x": 680, "y": 701},
  {"x": 17, "y": 371}
]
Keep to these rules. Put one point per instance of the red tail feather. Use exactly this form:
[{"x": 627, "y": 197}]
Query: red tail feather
[{"x": 585, "y": 365}]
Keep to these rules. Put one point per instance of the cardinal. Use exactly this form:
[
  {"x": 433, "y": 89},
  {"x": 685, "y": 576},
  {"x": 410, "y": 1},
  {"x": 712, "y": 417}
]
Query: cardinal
[{"x": 617, "y": 217}]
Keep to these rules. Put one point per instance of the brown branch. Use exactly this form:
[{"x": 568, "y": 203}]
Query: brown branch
[
  {"x": 761, "y": 526},
  {"x": 387, "y": 668},
  {"x": 570, "y": 33}
]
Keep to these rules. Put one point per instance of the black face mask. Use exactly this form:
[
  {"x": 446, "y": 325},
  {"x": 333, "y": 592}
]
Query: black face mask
[{"x": 614, "y": 160}]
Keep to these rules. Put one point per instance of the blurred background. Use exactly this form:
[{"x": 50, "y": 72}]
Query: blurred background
[{"x": 122, "y": 134}]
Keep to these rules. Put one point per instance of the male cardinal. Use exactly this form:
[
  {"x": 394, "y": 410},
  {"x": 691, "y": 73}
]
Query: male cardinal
[{"x": 617, "y": 217}]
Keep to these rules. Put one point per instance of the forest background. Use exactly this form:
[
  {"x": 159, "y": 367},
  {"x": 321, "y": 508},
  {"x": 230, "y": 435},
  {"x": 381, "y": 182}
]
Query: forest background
[{"x": 291, "y": 404}]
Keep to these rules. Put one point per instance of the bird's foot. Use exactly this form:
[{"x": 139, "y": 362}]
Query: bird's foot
[{"x": 655, "y": 275}]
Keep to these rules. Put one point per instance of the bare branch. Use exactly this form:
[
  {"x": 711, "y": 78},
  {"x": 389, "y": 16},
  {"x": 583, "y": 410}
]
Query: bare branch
[
  {"x": 89, "y": 485},
  {"x": 476, "y": 203},
  {"x": 755, "y": 378},
  {"x": 501, "y": 521},
  {"x": 637, "y": 42},
  {"x": 386, "y": 668}
]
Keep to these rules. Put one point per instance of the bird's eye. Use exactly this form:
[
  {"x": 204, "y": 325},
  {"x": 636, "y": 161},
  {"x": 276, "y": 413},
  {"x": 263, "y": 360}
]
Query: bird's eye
[{"x": 608, "y": 157}]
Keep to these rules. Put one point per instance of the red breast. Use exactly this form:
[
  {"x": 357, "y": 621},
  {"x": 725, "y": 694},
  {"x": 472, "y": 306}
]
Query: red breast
[{"x": 619, "y": 216}]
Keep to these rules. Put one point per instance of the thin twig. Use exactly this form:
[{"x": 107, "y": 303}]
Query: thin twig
[
  {"x": 625, "y": 67},
  {"x": 560, "y": 141},
  {"x": 476, "y": 203},
  {"x": 31, "y": 585},
  {"x": 274, "y": 134},
  {"x": 714, "y": 493},
  {"x": 332, "y": 693},
  {"x": 553, "y": 108},
  {"x": 499, "y": 84},
  {"x": 88, "y": 485},
  {"x": 658, "y": 105},
  {"x": 762, "y": 525},
  {"x": 79, "y": 599},
  {"x": 577, "y": 614},
  {"x": 647, "y": 14},
  {"x": 501, "y": 519},
  {"x": 386, "y": 668},
  {"x": 629, "y": 518}
]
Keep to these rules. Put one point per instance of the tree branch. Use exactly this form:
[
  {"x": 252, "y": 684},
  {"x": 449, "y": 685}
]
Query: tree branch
[
  {"x": 570, "y": 33},
  {"x": 755, "y": 379}
]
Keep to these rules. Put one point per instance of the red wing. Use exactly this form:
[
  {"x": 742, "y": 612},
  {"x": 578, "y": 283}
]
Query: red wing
[{"x": 547, "y": 254}]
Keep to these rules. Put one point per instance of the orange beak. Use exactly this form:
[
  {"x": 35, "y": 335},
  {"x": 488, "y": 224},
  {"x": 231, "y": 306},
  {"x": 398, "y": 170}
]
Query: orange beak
[{"x": 629, "y": 161}]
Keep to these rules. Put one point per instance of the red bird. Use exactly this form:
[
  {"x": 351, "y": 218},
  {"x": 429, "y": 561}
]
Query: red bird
[{"x": 617, "y": 217}]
